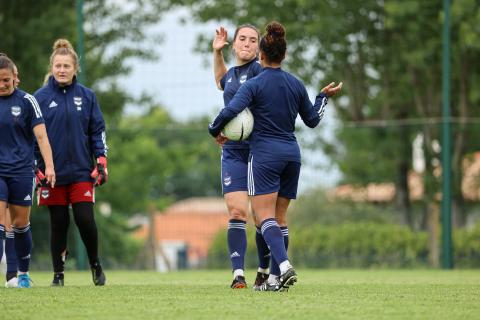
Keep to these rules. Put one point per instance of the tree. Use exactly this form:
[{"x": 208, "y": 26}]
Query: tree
[
  {"x": 159, "y": 160},
  {"x": 114, "y": 32},
  {"x": 388, "y": 53}
]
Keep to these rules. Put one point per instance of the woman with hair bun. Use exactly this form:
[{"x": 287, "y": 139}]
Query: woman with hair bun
[
  {"x": 234, "y": 159},
  {"x": 76, "y": 129},
  {"x": 275, "y": 98},
  {"x": 21, "y": 123}
]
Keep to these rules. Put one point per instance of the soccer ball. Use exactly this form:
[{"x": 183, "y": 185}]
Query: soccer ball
[{"x": 240, "y": 127}]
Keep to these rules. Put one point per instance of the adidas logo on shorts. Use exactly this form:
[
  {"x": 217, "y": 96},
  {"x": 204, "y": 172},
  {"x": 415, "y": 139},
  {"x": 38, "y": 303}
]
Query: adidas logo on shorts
[
  {"x": 27, "y": 198},
  {"x": 88, "y": 194}
]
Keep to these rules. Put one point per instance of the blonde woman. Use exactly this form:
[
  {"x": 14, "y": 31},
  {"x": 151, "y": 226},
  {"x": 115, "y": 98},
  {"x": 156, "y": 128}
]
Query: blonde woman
[{"x": 76, "y": 129}]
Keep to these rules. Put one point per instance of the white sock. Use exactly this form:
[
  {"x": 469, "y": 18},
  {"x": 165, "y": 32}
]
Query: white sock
[
  {"x": 284, "y": 266},
  {"x": 261, "y": 270},
  {"x": 272, "y": 279},
  {"x": 237, "y": 272}
]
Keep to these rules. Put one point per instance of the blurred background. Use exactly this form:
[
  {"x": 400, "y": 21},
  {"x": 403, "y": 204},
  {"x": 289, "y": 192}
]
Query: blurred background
[{"x": 371, "y": 184}]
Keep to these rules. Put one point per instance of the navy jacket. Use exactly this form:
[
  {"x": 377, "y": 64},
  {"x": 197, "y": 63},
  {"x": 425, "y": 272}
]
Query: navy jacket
[
  {"x": 75, "y": 128},
  {"x": 275, "y": 98}
]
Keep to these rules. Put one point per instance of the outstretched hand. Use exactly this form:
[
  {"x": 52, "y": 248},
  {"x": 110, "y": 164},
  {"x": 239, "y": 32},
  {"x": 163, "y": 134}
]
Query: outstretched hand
[
  {"x": 220, "y": 40},
  {"x": 331, "y": 90}
]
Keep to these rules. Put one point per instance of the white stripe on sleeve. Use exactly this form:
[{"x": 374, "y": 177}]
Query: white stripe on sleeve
[{"x": 34, "y": 103}]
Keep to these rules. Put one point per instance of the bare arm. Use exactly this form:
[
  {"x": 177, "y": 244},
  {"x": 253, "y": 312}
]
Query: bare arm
[
  {"x": 219, "y": 42},
  {"x": 40, "y": 133}
]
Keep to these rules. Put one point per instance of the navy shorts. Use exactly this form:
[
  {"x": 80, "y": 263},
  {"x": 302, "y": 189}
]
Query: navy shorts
[
  {"x": 234, "y": 170},
  {"x": 280, "y": 176},
  {"x": 17, "y": 190}
]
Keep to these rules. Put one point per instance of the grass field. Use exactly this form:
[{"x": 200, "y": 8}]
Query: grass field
[{"x": 319, "y": 294}]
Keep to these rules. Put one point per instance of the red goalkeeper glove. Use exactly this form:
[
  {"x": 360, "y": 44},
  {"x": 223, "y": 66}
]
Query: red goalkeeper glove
[
  {"x": 40, "y": 179},
  {"x": 100, "y": 172}
]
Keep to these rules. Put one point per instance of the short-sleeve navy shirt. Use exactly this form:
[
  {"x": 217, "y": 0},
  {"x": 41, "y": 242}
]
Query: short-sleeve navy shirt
[{"x": 19, "y": 114}]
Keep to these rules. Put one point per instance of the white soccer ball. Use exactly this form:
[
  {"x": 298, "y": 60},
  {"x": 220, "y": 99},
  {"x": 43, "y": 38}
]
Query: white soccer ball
[{"x": 240, "y": 127}]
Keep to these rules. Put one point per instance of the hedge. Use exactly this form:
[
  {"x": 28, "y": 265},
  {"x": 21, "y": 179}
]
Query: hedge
[{"x": 355, "y": 245}]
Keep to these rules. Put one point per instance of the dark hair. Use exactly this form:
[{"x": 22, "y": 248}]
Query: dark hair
[
  {"x": 273, "y": 43},
  {"x": 251, "y": 26},
  {"x": 6, "y": 62}
]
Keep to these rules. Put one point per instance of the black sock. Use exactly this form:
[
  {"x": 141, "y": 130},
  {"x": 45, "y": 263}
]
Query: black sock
[
  {"x": 84, "y": 218},
  {"x": 10, "y": 275},
  {"x": 59, "y": 222},
  {"x": 59, "y": 275}
]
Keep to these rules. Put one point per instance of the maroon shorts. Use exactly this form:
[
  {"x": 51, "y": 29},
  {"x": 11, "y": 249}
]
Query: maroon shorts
[{"x": 67, "y": 194}]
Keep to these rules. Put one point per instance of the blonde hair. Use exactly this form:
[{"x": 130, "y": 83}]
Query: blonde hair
[{"x": 62, "y": 47}]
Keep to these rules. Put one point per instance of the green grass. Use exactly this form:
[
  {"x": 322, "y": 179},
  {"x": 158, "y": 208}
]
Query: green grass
[{"x": 319, "y": 294}]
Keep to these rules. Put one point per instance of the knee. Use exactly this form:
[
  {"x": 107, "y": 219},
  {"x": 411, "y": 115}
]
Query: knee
[
  {"x": 238, "y": 214},
  {"x": 83, "y": 213},
  {"x": 84, "y": 220},
  {"x": 281, "y": 220},
  {"x": 20, "y": 222}
]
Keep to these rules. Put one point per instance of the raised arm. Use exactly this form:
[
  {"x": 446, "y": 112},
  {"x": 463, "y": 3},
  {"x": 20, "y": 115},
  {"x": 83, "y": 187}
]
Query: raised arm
[{"x": 219, "y": 67}]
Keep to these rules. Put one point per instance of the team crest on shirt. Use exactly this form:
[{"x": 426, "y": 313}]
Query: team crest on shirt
[
  {"x": 16, "y": 111},
  {"x": 45, "y": 194},
  {"x": 243, "y": 78},
  {"x": 78, "y": 103},
  {"x": 227, "y": 181}
]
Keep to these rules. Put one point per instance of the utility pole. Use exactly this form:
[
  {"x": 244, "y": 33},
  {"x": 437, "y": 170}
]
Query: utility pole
[
  {"x": 447, "y": 260},
  {"x": 81, "y": 257}
]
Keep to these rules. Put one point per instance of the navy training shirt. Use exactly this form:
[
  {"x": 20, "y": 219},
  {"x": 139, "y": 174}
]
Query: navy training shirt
[
  {"x": 230, "y": 83},
  {"x": 275, "y": 98},
  {"x": 19, "y": 114}
]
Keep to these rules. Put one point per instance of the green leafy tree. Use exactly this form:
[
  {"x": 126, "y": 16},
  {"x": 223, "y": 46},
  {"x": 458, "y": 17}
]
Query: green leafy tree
[
  {"x": 388, "y": 53},
  {"x": 158, "y": 160},
  {"x": 115, "y": 31}
]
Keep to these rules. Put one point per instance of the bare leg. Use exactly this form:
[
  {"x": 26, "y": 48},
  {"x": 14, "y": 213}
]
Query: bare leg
[{"x": 3, "y": 209}]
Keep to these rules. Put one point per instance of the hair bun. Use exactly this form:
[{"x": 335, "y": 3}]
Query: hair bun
[
  {"x": 275, "y": 29},
  {"x": 62, "y": 43}
]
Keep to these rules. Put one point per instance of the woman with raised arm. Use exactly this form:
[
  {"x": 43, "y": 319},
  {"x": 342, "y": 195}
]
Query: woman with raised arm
[
  {"x": 235, "y": 153},
  {"x": 275, "y": 98}
]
